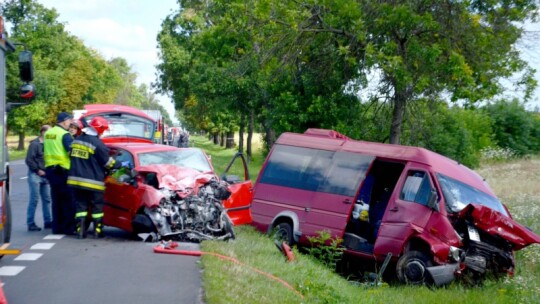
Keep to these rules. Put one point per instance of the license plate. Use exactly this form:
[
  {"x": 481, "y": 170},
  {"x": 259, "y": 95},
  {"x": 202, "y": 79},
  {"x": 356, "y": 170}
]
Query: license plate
[{"x": 473, "y": 234}]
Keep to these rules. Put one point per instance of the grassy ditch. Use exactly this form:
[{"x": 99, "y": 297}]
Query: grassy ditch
[{"x": 515, "y": 182}]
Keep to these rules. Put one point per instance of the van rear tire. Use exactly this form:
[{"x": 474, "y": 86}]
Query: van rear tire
[{"x": 283, "y": 232}]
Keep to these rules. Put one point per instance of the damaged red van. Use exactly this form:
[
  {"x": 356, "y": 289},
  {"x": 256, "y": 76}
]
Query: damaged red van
[{"x": 434, "y": 218}]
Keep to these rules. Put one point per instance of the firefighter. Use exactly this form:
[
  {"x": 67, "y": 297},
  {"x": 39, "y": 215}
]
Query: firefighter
[{"x": 89, "y": 162}]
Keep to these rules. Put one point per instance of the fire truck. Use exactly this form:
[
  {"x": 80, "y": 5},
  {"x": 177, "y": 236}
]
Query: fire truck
[{"x": 27, "y": 93}]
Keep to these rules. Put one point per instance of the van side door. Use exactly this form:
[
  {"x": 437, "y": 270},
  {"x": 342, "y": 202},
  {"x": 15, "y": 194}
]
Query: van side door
[
  {"x": 407, "y": 212},
  {"x": 334, "y": 199}
]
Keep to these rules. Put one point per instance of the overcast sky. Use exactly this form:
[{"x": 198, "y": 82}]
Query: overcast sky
[
  {"x": 128, "y": 29},
  {"x": 119, "y": 28}
]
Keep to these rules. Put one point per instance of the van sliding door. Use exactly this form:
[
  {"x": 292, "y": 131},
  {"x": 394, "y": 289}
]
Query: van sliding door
[{"x": 335, "y": 195}]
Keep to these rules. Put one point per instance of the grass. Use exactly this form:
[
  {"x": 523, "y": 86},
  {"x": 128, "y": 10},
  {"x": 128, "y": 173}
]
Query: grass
[
  {"x": 516, "y": 184},
  {"x": 12, "y": 142}
]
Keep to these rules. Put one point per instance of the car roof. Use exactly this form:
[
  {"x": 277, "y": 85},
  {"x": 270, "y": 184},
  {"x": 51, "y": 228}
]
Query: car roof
[
  {"x": 141, "y": 147},
  {"x": 331, "y": 140},
  {"x": 113, "y": 108}
]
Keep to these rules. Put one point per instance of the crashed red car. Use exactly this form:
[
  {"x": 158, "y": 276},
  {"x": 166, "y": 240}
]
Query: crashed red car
[{"x": 168, "y": 192}]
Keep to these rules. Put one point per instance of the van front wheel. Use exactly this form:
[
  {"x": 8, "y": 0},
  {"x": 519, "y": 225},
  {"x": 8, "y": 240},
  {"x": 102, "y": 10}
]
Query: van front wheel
[
  {"x": 412, "y": 268},
  {"x": 283, "y": 232}
]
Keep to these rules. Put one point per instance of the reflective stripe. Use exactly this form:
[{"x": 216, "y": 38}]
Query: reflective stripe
[
  {"x": 97, "y": 215},
  {"x": 81, "y": 214},
  {"x": 85, "y": 183},
  {"x": 83, "y": 146},
  {"x": 110, "y": 163}
]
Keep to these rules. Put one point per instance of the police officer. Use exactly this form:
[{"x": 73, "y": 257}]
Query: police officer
[
  {"x": 89, "y": 160},
  {"x": 56, "y": 145}
]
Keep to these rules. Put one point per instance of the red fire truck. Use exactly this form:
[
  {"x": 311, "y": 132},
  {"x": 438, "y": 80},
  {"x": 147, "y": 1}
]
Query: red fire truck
[{"x": 27, "y": 92}]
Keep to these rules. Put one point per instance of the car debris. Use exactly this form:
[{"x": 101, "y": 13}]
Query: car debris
[{"x": 183, "y": 205}]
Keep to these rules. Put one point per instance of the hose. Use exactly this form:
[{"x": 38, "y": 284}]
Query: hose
[{"x": 170, "y": 249}]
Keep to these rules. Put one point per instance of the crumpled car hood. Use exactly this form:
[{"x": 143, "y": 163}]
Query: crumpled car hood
[
  {"x": 181, "y": 179},
  {"x": 495, "y": 223}
]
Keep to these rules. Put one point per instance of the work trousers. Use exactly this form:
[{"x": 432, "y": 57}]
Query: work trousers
[
  {"x": 88, "y": 201},
  {"x": 63, "y": 208}
]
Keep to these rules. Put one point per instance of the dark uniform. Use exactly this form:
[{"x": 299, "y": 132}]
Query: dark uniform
[
  {"x": 56, "y": 143},
  {"x": 89, "y": 160}
]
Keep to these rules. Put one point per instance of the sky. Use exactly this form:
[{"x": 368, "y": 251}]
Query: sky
[
  {"x": 119, "y": 28},
  {"x": 128, "y": 29}
]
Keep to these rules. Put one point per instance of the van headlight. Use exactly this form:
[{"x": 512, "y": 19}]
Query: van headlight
[{"x": 455, "y": 254}]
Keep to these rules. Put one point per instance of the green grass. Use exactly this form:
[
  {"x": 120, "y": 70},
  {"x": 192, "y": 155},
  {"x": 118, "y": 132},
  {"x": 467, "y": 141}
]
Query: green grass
[
  {"x": 16, "y": 154},
  {"x": 227, "y": 282}
]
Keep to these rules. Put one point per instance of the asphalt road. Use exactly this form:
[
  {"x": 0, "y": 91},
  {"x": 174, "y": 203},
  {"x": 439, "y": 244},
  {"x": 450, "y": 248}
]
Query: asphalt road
[{"x": 62, "y": 269}]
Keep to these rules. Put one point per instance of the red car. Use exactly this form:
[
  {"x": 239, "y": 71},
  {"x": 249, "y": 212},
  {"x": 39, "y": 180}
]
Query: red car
[{"x": 169, "y": 192}]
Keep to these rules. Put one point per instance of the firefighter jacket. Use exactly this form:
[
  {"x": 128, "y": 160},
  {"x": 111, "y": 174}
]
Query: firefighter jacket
[
  {"x": 89, "y": 160},
  {"x": 55, "y": 150}
]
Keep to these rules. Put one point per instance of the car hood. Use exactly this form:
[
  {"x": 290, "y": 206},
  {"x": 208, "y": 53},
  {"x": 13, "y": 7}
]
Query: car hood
[
  {"x": 495, "y": 223},
  {"x": 181, "y": 179}
]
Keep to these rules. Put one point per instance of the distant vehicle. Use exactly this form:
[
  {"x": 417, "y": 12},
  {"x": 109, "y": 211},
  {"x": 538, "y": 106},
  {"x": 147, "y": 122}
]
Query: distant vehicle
[
  {"x": 434, "y": 217},
  {"x": 172, "y": 193},
  {"x": 26, "y": 73}
]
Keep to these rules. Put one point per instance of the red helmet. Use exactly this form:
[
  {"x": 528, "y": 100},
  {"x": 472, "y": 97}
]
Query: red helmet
[{"x": 100, "y": 124}]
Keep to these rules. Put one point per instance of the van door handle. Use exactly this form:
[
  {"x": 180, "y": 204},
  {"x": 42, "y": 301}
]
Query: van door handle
[
  {"x": 395, "y": 209},
  {"x": 347, "y": 201},
  {"x": 307, "y": 209}
]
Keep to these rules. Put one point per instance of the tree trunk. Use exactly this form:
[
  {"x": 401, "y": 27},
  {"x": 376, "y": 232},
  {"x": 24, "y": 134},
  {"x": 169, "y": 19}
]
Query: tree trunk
[
  {"x": 241, "y": 133},
  {"x": 20, "y": 146},
  {"x": 215, "y": 138},
  {"x": 250, "y": 134},
  {"x": 222, "y": 139},
  {"x": 230, "y": 140},
  {"x": 398, "y": 112}
]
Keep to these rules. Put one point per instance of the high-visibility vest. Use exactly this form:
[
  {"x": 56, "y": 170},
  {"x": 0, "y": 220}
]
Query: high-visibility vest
[{"x": 54, "y": 152}]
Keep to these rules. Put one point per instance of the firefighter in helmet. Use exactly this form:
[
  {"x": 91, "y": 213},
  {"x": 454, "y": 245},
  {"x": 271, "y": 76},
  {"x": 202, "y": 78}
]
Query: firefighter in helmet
[{"x": 89, "y": 161}]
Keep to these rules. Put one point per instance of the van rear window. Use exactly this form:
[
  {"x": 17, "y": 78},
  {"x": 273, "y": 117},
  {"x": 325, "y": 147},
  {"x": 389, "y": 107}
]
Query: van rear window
[{"x": 316, "y": 170}]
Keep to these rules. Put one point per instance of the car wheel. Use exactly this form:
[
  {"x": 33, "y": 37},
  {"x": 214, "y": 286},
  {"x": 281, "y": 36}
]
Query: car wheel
[
  {"x": 142, "y": 223},
  {"x": 412, "y": 268},
  {"x": 283, "y": 233},
  {"x": 227, "y": 225}
]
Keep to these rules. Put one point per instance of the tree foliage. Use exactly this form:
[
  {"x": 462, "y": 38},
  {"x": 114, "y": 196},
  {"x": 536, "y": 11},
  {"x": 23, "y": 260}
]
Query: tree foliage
[
  {"x": 68, "y": 74},
  {"x": 364, "y": 68}
]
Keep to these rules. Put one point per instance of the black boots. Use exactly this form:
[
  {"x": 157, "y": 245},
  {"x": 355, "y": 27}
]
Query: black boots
[
  {"x": 81, "y": 228},
  {"x": 98, "y": 228}
]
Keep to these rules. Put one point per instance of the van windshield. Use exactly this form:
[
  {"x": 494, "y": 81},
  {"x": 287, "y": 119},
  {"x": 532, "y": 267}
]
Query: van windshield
[{"x": 458, "y": 195}]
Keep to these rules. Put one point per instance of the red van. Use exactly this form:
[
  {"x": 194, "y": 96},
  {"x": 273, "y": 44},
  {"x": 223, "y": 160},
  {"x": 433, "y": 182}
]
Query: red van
[{"x": 434, "y": 217}]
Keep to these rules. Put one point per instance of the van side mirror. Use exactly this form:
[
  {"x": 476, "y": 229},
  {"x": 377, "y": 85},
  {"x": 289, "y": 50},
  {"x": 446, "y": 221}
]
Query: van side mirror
[
  {"x": 26, "y": 67},
  {"x": 432, "y": 201}
]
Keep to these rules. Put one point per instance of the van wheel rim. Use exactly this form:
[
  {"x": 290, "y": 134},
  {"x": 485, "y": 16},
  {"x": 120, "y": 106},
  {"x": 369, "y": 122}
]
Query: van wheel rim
[{"x": 415, "y": 271}]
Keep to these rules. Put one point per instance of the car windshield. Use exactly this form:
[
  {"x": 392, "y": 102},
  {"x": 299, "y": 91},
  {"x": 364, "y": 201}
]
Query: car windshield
[
  {"x": 458, "y": 195},
  {"x": 127, "y": 125},
  {"x": 190, "y": 158}
]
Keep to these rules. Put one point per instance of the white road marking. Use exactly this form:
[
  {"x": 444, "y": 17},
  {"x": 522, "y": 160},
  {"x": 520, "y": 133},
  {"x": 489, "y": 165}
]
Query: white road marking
[
  {"x": 28, "y": 257},
  {"x": 24, "y": 177},
  {"x": 42, "y": 246},
  {"x": 11, "y": 270},
  {"x": 54, "y": 236}
]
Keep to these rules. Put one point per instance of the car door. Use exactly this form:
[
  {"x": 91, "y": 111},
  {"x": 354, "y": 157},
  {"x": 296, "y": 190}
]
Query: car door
[
  {"x": 330, "y": 207},
  {"x": 238, "y": 205},
  {"x": 121, "y": 199},
  {"x": 407, "y": 212}
]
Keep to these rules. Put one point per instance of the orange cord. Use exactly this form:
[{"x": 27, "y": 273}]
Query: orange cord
[{"x": 170, "y": 250}]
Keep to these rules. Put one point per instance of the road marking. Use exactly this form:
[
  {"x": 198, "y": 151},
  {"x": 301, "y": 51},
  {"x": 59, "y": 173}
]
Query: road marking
[
  {"x": 54, "y": 236},
  {"x": 28, "y": 257},
  {"x": 24, "y": 177},
  {"x": 11, "y": 270},
  {"x": 42, "y": 246}
]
